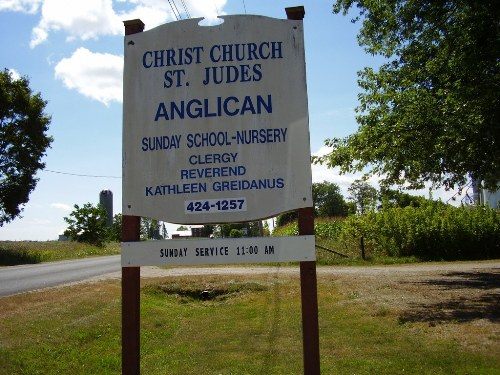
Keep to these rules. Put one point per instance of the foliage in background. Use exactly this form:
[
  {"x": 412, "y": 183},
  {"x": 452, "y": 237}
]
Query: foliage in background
[
  {"x": 287, "y": 217},
  {"x": 150, "y": 229},
  {"x": 363, "y": 195},
  {"x": 328, "y": 201},
  {"x": 235, "y": 233},
  {"x": 23, "y": 143},
  {"x": 328, "y": 228},
  {"x": 289, "y": 229},
  {"x": 115, "y": 232},
  {"x": 430, "y": 113},
  {"x": 247, "y": 229},
  {"x": 88, "y": 224},
  {"x": 434, "y": 231},
  {"x": 396, "y": 198},
  {"x": 323, "y": 228}
]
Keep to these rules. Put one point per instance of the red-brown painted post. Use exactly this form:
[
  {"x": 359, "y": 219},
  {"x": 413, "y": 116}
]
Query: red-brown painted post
[
  {"x": 309, "y": 295},
  {"x": 131, "y": 331},
  {"x": 308, "y": 278}
]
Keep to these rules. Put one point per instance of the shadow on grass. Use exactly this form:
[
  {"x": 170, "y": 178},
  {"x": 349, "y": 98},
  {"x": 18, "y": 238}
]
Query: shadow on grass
[
  {"x": 483, "y": 302},
  {"x": 16, "y": 257}
]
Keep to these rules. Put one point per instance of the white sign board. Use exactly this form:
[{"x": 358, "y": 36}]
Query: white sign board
[
  {"x": 218, "y": 251},
  {"x": 216, "y": 121}
]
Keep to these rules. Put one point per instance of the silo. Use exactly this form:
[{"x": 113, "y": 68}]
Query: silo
[{"x": 106, "y": 200}]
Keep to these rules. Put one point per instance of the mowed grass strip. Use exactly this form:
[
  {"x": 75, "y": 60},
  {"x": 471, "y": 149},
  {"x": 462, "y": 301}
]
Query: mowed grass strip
[{"x": 222, "y": 325}]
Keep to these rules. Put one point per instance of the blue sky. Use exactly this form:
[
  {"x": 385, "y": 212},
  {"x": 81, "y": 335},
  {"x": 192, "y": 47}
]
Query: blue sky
[{"x": 72, "y": 52}]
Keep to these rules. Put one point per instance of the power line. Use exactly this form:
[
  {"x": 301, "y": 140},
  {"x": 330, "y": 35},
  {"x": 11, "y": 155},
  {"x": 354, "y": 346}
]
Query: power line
[
  {"x": 80, "y": 175},
  {"x": 244, "y": 7},
  {"x": 177, "y": 9},
  {"x": 185, "y": 9},
  {"x": 176, "y": 14}
]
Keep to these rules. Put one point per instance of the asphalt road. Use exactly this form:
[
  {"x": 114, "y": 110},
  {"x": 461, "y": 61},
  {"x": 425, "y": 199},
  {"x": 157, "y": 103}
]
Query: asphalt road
[{"x": 25, "y": 278}]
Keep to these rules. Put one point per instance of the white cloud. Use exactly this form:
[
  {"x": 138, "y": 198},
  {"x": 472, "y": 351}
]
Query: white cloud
[
  {"x": 25, "y": 6},
  {"x": 95, "y": 75},
  {"x": 320, "y": 173},
  {"x": 207, "y": 9},
  {"x": 151, "y": 16},
  {"x": 99, "y": 75},
  {"x": 62, "y": 206},
  {"x": 79, "y": 20},
  {"x": 14, "y": 74},
  {"x": 89, "y": 19}
]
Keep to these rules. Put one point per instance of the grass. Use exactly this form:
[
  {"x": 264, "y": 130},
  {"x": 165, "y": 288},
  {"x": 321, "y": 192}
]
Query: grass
[
  {"x": 30, "y": 252},
  {"x": 353, "y": 256},
  {"x": 244, "y": 325}
]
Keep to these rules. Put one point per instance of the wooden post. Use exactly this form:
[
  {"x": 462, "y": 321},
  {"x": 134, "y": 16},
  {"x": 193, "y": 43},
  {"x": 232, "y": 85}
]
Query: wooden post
[
  {"x": 308, "y": 278},
  {"x": 131, "y": 331},
  {"x": 309, "y": 296}
]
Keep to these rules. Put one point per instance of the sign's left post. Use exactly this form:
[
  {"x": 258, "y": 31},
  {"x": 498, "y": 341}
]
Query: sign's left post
[{"x": 131, "y": 276}]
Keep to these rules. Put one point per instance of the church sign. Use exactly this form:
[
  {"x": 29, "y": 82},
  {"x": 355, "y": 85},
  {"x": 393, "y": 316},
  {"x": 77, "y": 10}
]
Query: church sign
[{"x": 216, "y": 121}]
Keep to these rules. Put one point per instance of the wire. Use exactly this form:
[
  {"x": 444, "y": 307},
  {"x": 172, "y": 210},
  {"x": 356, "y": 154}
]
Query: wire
[
  {"x": 185, "y": 9},
  {"x": 177, "y": 15},
  {"x": 79, "y": 175},
  {"x": 177, "y": 9},
  {"x": 244, "y": 7},
  {"x": 466, "y": 197}
]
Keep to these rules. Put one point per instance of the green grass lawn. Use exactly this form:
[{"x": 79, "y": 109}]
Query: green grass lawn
[
  {"x": 248, "y": 325},
  {"x": 29, "y": 252}
]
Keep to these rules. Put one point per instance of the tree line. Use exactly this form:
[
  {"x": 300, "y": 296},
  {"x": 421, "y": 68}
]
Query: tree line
[{"x": 87, "y": 223}]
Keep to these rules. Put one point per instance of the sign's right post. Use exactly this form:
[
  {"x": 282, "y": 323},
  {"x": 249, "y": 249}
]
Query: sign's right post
[
  {"x": 309, "y": 296},
  {"x": 308, "y": 277}
]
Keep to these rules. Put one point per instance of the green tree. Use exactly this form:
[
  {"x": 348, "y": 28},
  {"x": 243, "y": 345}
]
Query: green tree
[
  {"x": 396, "y": 198},
  {"x": 164, "y": 231},
  {"x": 236, "y": 233},
  {"x": 226, "y": 229},
  {"x": 363, "y": 195},
  {"x": 115, "y": 232},
  {"x": 150, "y": 229},
  {"x": 328, "y": 200},
  {"x": 23, "y": 143},
  {"x": 247, "y": 229},
  {"x": 286, "y": 218},
  {"x": 431, "y": 112},
  {"x": 365, "y": 198},
  {"x": 208, "y": 230},
  {"x": 88, "y": 224}
]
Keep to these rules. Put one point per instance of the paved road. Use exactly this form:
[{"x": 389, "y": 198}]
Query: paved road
[{"x": 24, "y": 278}]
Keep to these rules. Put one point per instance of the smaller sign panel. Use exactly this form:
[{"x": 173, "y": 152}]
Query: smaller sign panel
[{"x": 218, "y": 251}]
